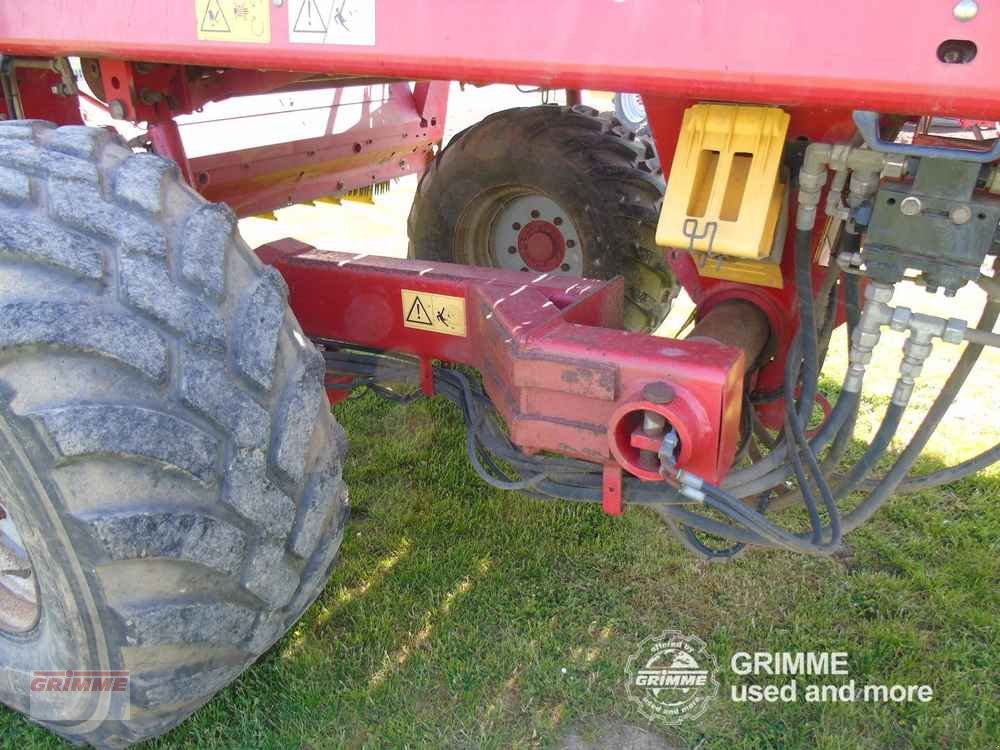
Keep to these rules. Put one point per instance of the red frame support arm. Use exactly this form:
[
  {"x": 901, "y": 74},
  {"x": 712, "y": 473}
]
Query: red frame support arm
[{"x": 554, "y": 359}]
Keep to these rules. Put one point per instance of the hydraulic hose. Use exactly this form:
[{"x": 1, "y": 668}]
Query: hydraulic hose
[
  {"x": 883, "y": 437},
  {"x": 807, "y": 327},
  {"x": 932, "y": 419},
  {"x": 580, "y": 481},
  {"x": 794, "y": 427},
  {"x": 803, "y": 353},
  {"x": 944, "y": 476},
  {"x": 895, "y": 480},
  {"x": 838, "y": 427},
  {"x": 778, "y": 468}
]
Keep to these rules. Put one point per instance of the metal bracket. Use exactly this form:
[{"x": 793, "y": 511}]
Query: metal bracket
[{"x": 868, "y": 125}]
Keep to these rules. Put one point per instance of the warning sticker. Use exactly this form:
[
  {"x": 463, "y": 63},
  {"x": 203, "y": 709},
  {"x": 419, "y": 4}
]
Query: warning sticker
[
  {"x": 233, "y": 20},
  {"x": 332, "y": 22},
  {"x": 434, "y": 312}
]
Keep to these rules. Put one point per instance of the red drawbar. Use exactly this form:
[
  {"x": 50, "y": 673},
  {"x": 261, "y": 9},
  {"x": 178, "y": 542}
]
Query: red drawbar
[{"x": 554, "y": 360}]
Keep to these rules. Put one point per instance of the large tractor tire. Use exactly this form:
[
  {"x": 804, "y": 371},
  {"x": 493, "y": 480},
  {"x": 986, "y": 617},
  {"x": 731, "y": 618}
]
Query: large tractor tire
[
  {"x": 630, "y": 110},
  {"x": 551, "y": 190},
  {"x": 170, "y": 472}
]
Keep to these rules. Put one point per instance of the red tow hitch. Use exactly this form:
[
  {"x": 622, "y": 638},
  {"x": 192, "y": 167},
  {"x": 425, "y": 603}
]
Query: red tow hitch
[{"x": 555, "y": 363}]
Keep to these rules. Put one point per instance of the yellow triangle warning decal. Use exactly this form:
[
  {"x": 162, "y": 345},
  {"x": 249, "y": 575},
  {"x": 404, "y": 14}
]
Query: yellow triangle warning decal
[
  {"x": 418, "y": 313},
  {"x": 309, "y": 19},
  {"x": 239, "y": 21},
  {"x": 214, "y": 18},
  {"x": 437, "y": 313}
]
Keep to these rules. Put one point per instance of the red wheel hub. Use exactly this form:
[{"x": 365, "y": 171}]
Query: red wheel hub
[{"x": 541, "y": 245}]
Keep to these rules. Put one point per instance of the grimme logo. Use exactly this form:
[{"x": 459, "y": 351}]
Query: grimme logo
[
  {"x": 69, "y": 695},
  {"x": 672, "y": 677}
]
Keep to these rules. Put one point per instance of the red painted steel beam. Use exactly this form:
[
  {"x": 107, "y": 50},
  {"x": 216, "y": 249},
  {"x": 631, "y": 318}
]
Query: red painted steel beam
[
  {"x": 393, "y": 140},
  {"x": 554, "y": 359},
  {"x": 166, "y": 139},
  {"x": 35, "y": 91},
  {"x": 880, "y": 56}
]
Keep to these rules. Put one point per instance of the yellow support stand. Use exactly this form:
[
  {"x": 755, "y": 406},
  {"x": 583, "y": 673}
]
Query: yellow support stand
[{"x": 724, "y": 196}]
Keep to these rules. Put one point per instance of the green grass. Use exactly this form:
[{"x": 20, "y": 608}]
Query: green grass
[{"x": 461, "y": 616}]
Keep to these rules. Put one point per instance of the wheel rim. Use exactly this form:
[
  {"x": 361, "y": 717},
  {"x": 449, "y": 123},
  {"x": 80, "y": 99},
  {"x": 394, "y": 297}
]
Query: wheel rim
[
  {"x": 18, "y": 588},
  {"x": 632, "y": 108},
  {"x": 519, "y": 229}
]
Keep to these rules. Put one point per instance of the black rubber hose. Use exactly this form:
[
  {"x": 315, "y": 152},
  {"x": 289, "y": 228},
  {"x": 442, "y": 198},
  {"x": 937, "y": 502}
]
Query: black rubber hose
[
  {"x": 797, "y": 429},
  {"x": 843, "y": 410},
  {"x": 690, "y": 541},
  {"x": 806, "y": 347},
  {"x": 841, "y": 442},
  {"x": 934, "y": 415},
  {"x": 879, "y": 444},
  {"x": 793, "y": 428},
  {"x": 774, "y": 469},
  {"x": 943, "y": 476},
  {"x": 807, "y": 327},
  {"x": 759, "y": 524},
  {"x": 717, "y": 528},
  {"x": 852, "y": 302},
  {"x": 800, "y": 475}
]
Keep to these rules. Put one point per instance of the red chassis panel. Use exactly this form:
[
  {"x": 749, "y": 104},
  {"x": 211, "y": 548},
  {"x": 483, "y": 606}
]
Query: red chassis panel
[
  {"x": 396, "y": 131},
  {"x": 396, "y": 139},
  {"x": 554, "y": 360},
  {"x": 865, "y": 55}
]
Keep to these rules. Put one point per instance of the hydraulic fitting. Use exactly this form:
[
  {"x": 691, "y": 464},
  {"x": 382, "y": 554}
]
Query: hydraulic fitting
[
  {"x": 834, "y": 196},
  {"x": 916, "y": 350},
  {"x": 690, "y": 485},
  {"x": 876, "y": 313},
  {"x": 812, "y": 179},
  {"x": 668, "y": 451},
  {"x": 850, "y": 262},
  {"x": 895, "y": 167},
  {"x": 865, "y": 168},
  {"x": 923, "y": 329}
]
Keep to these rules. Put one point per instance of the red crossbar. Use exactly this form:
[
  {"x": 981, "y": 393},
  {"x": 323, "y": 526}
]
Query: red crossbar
[{"x": 554, "y": 359}]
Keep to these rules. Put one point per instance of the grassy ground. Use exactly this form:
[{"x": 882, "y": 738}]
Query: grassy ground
[{"x": 461, "y": 616}]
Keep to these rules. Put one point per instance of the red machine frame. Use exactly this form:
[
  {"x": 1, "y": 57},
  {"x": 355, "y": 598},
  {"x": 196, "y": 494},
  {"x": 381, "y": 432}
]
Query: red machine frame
[
  {"x": 778, "y": 51},
  {"x": 817, "y": 62},
  {"x": 554, "y": 358}
]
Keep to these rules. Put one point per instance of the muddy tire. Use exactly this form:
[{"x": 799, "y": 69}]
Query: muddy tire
[
  {"x": 167, "y": 453},
  {"x": 560, "y": 189},
  {"x": 631, "y": 112}
]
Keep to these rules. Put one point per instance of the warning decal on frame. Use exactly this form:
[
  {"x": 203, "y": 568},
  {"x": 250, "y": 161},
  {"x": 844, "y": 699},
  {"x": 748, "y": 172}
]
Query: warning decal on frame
[
  {"x": 233, "y": 20},
  {"x": 332, "y": 22},
  {"x": 434, "y": 312}
]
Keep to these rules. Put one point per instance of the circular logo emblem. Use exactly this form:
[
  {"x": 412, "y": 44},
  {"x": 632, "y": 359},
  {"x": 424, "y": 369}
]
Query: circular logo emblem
[{"x": 672, "y": 677}]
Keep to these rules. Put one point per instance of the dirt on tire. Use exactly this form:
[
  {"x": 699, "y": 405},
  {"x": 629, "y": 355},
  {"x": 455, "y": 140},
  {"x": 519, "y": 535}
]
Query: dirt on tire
[
  {"x": 605, "y": 176},
  {"x": 166, "y": 445}
]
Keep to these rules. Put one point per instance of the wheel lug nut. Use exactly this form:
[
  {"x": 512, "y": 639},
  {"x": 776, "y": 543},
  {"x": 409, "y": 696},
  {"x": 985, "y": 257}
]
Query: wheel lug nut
[
  {"x": 512, "y": 250},
  {"x": 564, "y": 267}
]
